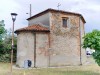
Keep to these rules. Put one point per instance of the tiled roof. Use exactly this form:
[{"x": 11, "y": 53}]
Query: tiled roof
[
  {"x": 54, "y": 10},
  {"x": 35, "y": 28}
]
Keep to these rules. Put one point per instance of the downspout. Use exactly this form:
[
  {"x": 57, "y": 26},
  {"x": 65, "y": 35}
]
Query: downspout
[
  {"x": 84, "y": 33},
  {"x": 80, "y": 40},
  {"x": 34, "y": 49},
  {"x": 49, "y": 50},
  {"x": 49, "y": 39}
]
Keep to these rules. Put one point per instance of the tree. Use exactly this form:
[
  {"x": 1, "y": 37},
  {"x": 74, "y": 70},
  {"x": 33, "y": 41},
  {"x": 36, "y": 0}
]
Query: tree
[
  {"x": 7, "y": 47},
  {"x": 5, "y": 44},
  {"x": 2, "y": 33},
  {"x": 2, "y": 29},
  {"x": 92, "y": 41}
]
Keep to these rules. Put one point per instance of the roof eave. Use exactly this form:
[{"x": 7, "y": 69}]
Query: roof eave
[{"x": 31, "y": 31}]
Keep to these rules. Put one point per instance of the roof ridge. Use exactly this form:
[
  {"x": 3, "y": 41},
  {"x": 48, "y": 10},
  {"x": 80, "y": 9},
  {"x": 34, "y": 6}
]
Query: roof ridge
[{"x": 62, "y": 10}]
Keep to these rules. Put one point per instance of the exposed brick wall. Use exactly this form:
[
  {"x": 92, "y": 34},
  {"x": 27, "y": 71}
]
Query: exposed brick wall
[{"x": 65, "y": 42}]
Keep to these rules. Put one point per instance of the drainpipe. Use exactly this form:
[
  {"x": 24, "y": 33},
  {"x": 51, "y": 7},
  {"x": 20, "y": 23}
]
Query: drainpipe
[
  {"x": 84, "y": 33},
  {"x": 80, "y": 40},
  {"x": 34, "y": 49},
  {"x": 49, "y": 50}
]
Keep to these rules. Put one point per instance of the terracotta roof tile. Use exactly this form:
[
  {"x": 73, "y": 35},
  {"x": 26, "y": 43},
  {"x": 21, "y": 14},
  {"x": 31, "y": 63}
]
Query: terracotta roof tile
[{"x": 35, "y": 27}]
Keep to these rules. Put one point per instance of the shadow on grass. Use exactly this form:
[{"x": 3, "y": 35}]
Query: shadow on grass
[
  {"x": 61, "y": 72},
  {"x": 78, "y": 73}
]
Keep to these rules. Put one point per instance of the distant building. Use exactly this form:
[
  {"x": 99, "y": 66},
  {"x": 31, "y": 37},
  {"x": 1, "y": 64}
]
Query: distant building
[
  {"x": 89, "y": 51},
  {"x": 52, "y": 38}
]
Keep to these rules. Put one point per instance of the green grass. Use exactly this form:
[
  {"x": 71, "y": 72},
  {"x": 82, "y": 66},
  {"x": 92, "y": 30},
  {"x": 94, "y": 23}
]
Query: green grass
[{"x": 69, "y": 70}]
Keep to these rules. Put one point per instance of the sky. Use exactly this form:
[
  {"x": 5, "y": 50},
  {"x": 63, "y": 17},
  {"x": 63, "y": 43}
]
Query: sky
[{"x": 90, "y": 9}]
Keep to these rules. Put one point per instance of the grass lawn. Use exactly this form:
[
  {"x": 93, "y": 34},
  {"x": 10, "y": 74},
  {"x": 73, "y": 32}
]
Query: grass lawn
[{"x": 69, "y": 70}]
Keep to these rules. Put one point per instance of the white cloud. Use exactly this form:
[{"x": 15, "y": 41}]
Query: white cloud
[{"x": 90, "y": 9}]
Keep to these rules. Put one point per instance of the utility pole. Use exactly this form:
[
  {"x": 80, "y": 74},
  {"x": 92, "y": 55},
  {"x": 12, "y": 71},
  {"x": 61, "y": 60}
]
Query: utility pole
[{"x": 30, "y": 12}]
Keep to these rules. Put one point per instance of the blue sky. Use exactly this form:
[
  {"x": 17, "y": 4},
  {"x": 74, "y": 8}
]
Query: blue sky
[{"x": 90, "y": 9}]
